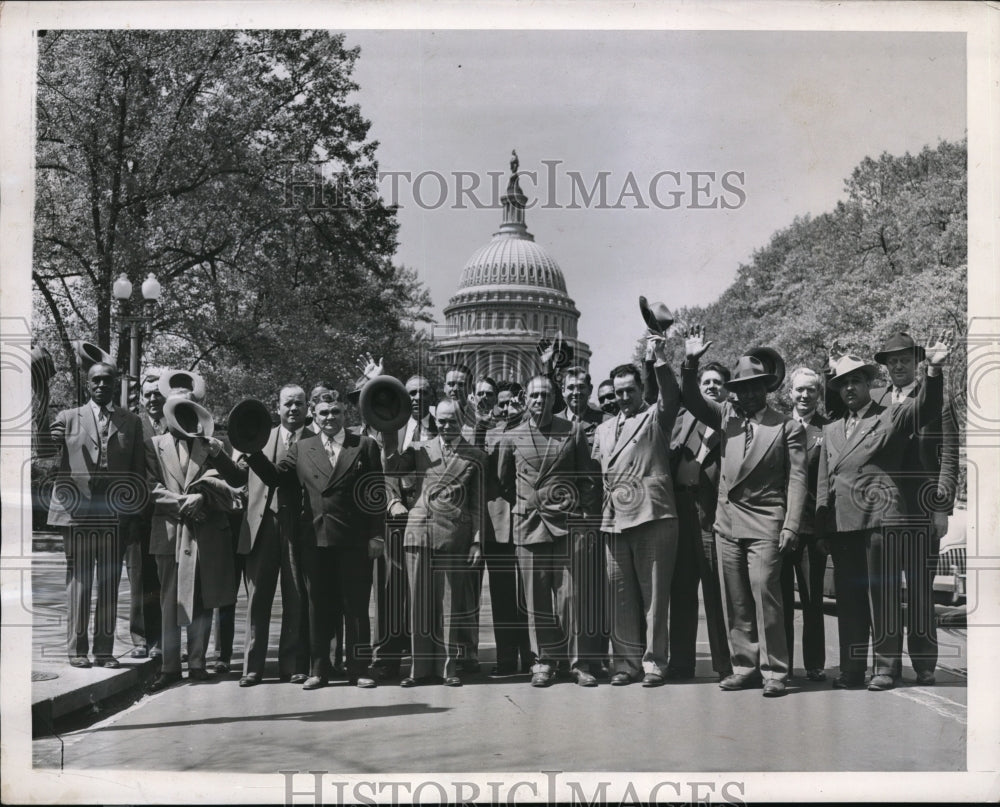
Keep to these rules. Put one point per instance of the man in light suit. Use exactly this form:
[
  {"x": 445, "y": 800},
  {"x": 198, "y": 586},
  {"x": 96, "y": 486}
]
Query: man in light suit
[
  {"x": 695, "y": 470},
  {"x": 341, "y": 473},
  {"x": 98, "y": 495},
  {"x": 271, "y": 541},
  {"x": 762, "y": 493},
  {"x": 443, "y": 541},
  {"x": 640, "y": 518},
  {"x": 544, "y": 471},
  {"x": 393, "y": 636},
  {"x": 928, "y": 483},
  {"x": 192, "y": 480},
  {"x": 859, "y": 509}
]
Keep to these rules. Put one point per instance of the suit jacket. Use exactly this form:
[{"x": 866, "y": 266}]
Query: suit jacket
[
  {"x": 203, "y": 551},
  {"x": 403, "y": 487},
  {"x": 929, "y": 478},
  {"x": 80, "y": 496},
  {"x": 448, "y": 513},
  {"x": 636, "y": 467},
  {"x": 499, "y": 526},
  {"x": 765, "y": 491},
  {"x": 589, "y": 421},
  {"x": 859, "y": 476},
  {"x": 814, "y": 445},
  {"x": 347, "y": 501},
  {"x": 261, "y": 497},
  {"x": 685, "y": 446},
  {"x": 547, "y": 478}
]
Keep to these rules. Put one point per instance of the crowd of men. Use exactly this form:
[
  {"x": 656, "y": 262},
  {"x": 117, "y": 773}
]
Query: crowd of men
[{"x": 593, "y": 526}]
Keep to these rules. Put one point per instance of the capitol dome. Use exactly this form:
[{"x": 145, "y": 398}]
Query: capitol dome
[{"x": 511, "y": 293}]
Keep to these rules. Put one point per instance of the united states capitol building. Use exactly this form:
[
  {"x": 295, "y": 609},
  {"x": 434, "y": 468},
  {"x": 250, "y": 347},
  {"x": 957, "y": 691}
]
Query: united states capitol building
[{"x": 511, "y": 294}]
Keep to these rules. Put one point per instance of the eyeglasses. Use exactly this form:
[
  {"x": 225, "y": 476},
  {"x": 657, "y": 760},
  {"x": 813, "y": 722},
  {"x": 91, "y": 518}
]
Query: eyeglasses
[{"x": 605, "y": 398}]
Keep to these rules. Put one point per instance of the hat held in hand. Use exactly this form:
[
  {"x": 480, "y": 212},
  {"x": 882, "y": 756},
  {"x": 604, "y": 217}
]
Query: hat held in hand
[{"x": 657, "y": 316}]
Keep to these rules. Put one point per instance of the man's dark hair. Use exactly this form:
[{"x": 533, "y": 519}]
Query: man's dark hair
[
  {"x": 319, "y": 385},
  {"x": 331, "y": 397},
  {"x": 623, "y": 370},
  {"x": 485, "y": 379},
  {"x": 716, "y": 367},
  {"x": 509, "y": 385},
  {"x": 578, "y": 372}
]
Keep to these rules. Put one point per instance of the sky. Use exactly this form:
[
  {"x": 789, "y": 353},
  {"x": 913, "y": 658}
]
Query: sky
[{"x": 787, "y": 115}]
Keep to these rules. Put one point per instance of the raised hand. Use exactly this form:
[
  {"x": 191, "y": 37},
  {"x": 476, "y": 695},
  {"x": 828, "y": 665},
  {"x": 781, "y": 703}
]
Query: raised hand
[
  {"x": 369, "y": 367},
  {"x": 937, "y": 354},
  {"x": 656, "y": 347},
  {"x": 694, "y": 342}
]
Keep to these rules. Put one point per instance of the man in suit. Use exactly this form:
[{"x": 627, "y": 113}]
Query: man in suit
[
  {"x": 443, "y": 540},
  {"x": 858, "y": 512},
  {"x": 510, "y": 403},
  {"x": 192, "y": 481},
  {"x": 140, "y": 565},
  {"x": 928, "y": 482},
  {"x": 341, "y": 473},
  {"x": 271, "y": 543},
  {"x": 606, "y": 397},
  {"x": 98, "y": 494},
  {"x": 544, "y": 471},
  {"x": 806, "y": 562},
  {"x": 640, "y": 519},
  {"x": 393, "y": 637},
  {"x": 695, "y": 454},
  {"x": 762, "y": 493}
]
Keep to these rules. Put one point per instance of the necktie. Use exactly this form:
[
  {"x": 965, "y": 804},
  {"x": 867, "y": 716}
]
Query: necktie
[
  {"x": 331, "y": 451},
  {"x": 183, "y": 455},
  {"x": 416, "y": 432},
  {"x": 852, "y": 421},
  {"x": 618, "y": 428},
  {"x": 290, "y": 440},
  {"x": 103, "y": 420},
  {"x": 748, "y": 438},
  {"x": 897, "y": 394}
]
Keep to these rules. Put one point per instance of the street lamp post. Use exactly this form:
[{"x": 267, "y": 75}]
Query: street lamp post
[{"x": 135, "y": 324}]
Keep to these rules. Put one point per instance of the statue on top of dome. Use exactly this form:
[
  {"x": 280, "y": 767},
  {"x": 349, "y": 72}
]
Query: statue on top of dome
[{"x": 513, "y": 161}]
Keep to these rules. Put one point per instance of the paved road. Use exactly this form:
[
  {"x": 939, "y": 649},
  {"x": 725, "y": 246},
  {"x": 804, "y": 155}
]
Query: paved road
[{"x": 509, "y": 726}]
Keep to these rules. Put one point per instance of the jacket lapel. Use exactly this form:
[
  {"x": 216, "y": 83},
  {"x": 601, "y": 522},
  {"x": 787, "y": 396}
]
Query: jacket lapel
[
  {"x": 117, "y": 422},
  {"x": 554, "y": 448},
  {"x": 199, "y": 453},
  {"x": 88, "y": 422},
  {"x": 868, "y": 422},
  {"x": 764, "y": 434},
  {"x": 345, "y": 459},
  {"x": 167, "y": 448},
  {"x": 629, "y": 428}
]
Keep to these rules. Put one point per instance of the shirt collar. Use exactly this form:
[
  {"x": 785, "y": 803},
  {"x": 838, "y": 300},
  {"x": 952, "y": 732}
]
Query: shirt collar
[
  {"x": 905, "y": 391},
  {"x": 337, "y": 439},
  {"x": 805, "y": 421},
  {"x": 863, "y": 410},
  {"x": 109, "y": 407}
]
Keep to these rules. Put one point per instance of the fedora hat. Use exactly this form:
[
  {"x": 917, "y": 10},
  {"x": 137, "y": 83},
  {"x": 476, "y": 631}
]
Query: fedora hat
[
  {"x": 897, "y": 343},
  {"x": 657, "y": 316},
  {"x": 750, "y": 368},
  {"x": 384, "y": 403},
  {"x": 846, "y": 365},
  {"x": 169, "y": 379},
  {"x": 90, "y": 354},
  {"x": 772, "y": 362},
  {"x": 187, "y": 419},
  {"x": 249, "y": 426}
]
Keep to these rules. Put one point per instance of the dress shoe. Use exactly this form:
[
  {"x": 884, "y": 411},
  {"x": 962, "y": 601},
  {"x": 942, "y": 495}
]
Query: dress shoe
[
  {"x": 198, "y": 674},
  {"x": 846, "y": 681},
  {"x": 139, "y": 652},
  {"x": 679, "y": 674},
  {"x": 365, "y": 683},
  {"x": 251, "y": 679},
  {"x": 816, "y": 674},
  {"x": 299, "y": 678},
  {"x": 314, "y": 682},
  {"x": 653, "y": 679},
  {"x": 79, "y": 661},
  {"x": 419, "y": 681},
  {"x": 408, "y": 681},
  {"x": 621, "y": 679},
  {"x": 880, "y": 683},
  {"x": 221, "y": 667},
  {"x": 542, "y": 678},
  {"x": 926, "y": 679},
  {"x": 164, "y": 680},
  {"x": 469, "y": 666},
  {"x": 453, "y": 681},
  {"x": 583, "y": 678},
  {"x": 107, "y": 661},
  {"x": 156, "y": 653},
  {"x": 774, "y": 689},
  {"x": 736, "y": 681},
  {"x": 383, "y": 672}
]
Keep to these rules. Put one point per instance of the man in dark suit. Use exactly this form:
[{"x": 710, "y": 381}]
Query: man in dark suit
[
  {"x": 544, "y": 471},
  {"x": 341, "y": 473},
  {"x": 928, "y": 482},
  {"x": 858, "y": 512},
  {"x": 762, "y": 493},
  {"x": 639, "y": 519},
  {"x": 98, "y": 494},
  {"x": 393, "y": 632},
  {"x": 271, "y": 543},
  {"x": 695, "y": 470},
  {"x": 443, "y": 540},
  {"x": 807, "y": 562}
]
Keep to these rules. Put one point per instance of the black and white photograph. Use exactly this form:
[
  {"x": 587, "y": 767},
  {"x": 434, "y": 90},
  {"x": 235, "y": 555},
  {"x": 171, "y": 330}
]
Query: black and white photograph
[{"x": 435, "y": 403}]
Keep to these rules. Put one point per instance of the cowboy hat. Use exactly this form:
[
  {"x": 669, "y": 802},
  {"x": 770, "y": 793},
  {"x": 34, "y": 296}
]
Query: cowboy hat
[
  {"x": 249, "y": 426},
  {"x": 187, "y": 419},
  {"x": 657, "y": 316},
  {"x": 751, "y": 368},
  {"x": 846, "y": 365},
  {"x": 897, "y": 343},
  {"x": 187, "y": 379},
  {"x": 773, "y": 362}
]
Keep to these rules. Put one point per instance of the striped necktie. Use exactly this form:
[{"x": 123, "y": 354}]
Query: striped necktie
[
  {"x": 748, "y": 435},
  {"x": 103, "y": 422}
]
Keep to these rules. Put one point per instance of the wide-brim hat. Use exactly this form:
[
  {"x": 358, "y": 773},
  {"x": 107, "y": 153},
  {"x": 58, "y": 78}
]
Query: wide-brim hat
[
  {"x": 186, "y": 379},
  {"x": 751, "y": 368},
  {"x": 846, "y": 365},
  {"x": 898, "y": 342},
  {"x": 656, "y": 315},
  {"x": 384, "y": 403},
  {"x": 187, "y": 419},
  {"x": 772, "y": 362},
  {"x": 249, "y": 426}
]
